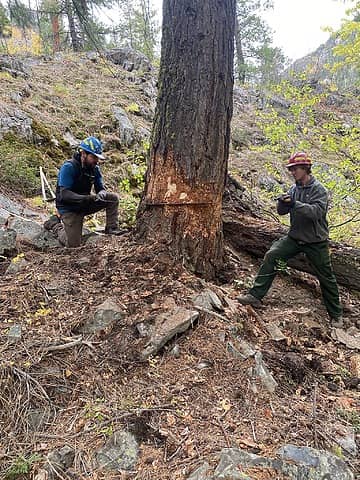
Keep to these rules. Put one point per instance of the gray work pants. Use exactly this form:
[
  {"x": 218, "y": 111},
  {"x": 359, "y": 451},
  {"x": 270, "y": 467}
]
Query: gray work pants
[{"x": 69, "y": 230}]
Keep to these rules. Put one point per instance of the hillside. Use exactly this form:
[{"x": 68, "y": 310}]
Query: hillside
[{"x": 116, "y": 362}]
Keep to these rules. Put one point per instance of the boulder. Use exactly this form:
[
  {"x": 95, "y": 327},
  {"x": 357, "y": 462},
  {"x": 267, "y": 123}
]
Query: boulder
[
  {"x": 106, "y": 315},
  {"x": 120, "y": 452},
  {"x": 31, "y": 232},
  {"x": 126, "y": 129},
  {"x": 129, "y": 59},
  {"x": 167, "y": 325},
  {"x": 16, "y": 121}
]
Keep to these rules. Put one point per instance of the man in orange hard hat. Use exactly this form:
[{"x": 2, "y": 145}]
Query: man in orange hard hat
[{"x": 307, "y": 203}]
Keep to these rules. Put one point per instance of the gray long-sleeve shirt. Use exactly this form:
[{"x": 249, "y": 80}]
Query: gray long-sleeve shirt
[{"x": 308, "y": 222}]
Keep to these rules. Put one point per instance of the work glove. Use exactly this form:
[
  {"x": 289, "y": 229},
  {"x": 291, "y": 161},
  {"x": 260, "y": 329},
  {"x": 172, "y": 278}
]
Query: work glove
[
  {"x": 101, "y": 195},
  {"x": 287, "y": 200}
]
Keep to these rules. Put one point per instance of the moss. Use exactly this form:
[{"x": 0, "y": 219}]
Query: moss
[{"x": 20, "y": 160}]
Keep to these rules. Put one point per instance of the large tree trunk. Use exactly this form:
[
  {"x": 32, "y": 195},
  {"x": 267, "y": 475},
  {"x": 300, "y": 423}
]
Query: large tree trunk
[
  {"x": 255, "y": 236},
  {"x": 182, "y": 201}
]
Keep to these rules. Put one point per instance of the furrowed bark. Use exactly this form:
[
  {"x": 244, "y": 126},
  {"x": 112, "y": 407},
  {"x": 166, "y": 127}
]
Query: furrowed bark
[{"x": 182, "y": 201}]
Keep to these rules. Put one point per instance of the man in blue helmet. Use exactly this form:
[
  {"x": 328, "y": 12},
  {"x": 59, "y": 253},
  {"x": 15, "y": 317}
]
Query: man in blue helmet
[{"x": 74, "y": 197}]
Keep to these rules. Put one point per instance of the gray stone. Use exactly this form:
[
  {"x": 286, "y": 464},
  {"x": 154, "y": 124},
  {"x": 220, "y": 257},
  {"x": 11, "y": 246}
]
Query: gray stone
[
  {"x": 209, "y": 300},
  {"x": 351, "y": 340},
  {"x": 201, "y": 473},
  {"x": 16, "y": 121},
  {"x": 320, "y": 464},
  {"x": 144, "y": 329},
  {"x": 275, "y": 332},
  {"x": 14, "y": 334},
  {"x": 167, "y": 325},
  {"x": 230, "y": 461},
  {"x": 268, "y": 183},
  {"x": 245, "y": 348},
  {"x": 16, "y": 265},
  {"x": 58, "y": 461},
  {"x": 106, "y": 315},
  {"x": 58, "y": 287},
  {"x": 175, "y": 351},
  {"x": 262, "y": 372},
  {"x": 8, "y": 207},
  {"x": 129, "y": 59},
  {"x": 33, "y": 233},
  {"x": 7, "y": 242},
  {"x": 348, "y": 442},
  {"x": 126, "y": 128},
  {"x": 14, "y": 66},
  {"x": 120, "y": 452},
  {"x": 70, "y": 139}
]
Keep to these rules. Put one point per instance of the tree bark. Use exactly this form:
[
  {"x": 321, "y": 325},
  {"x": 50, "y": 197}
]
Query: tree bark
[
  {"x": 255, "y": 236},
  {"x": 185, "y": 180}
]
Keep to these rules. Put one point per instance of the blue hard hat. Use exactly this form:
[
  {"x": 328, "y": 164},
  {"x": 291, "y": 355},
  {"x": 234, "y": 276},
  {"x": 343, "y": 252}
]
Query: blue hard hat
[{"x": 92, "y": 145}]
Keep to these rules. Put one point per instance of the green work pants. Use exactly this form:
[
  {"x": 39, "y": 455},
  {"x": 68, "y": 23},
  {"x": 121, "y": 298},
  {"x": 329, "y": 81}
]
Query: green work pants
[{"x": 319, "y": 257}]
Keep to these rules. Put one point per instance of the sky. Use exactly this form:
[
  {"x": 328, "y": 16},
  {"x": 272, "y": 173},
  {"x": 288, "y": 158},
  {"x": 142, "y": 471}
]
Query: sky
[{"x": 297, "y": 23}]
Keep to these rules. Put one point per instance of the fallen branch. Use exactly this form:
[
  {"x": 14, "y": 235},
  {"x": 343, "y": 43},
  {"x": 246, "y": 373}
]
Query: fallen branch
[{"x": 65, "y": 346}]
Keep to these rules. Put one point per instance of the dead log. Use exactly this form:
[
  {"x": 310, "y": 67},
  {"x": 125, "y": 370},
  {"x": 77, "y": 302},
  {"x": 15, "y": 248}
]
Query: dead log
[{"x": 255, "y": 236}]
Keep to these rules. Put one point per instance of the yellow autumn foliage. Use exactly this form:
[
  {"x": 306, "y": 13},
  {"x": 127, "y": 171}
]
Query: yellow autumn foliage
[{"x": 20, "y": 42}]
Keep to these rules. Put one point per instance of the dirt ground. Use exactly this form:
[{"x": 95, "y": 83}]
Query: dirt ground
[{"x": 182, "y": 409}]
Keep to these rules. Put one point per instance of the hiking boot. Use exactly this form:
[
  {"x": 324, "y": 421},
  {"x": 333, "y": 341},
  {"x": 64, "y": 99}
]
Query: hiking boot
[
  {"x": 50, "y": 224},
  {"x": 115, "y": 231},
  {"x": 336, "y": 322},
  {"x": 249, "y": 299}
]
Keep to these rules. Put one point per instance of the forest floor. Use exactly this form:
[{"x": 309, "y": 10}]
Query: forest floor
[{"x": 182, "y": 408}]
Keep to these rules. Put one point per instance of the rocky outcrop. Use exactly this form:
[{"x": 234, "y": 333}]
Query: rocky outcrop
[
  {"x": 129, "y": 59},
  {"x": 15, "y": 121}
]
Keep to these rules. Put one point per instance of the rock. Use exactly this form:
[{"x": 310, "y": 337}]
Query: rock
[
  {"x": 17, "y": 264},
  {"x": 144, "y": 329},
  {"x": 275, "y": 332},
  {"x": 106, "y": 315},
  {"x": 70, "y": 139},
  {"x": 58, "y": 461},
  {"x": 268, "y": 183},
  {"x": 7, "y": 242},
  {"x": 33, "y": 233},
  {"x": 261, "y": 371},
  {"x": 209, "y": 300},
  {"x": 14, "y": 66},
  {"x": 230, "y": 461},
  {"x": 201, "y": 473},
  {"x": 347, "y": 442},
  {"x": 15, "y": 121},
  {"x": 14, "y": 334},
  {"x": 175, "y": 351},
  {"x": 129, "y": 59},
  {"x": 320, "y": 464},
  {"x": 126, "y": 129},
  {"x": 119, "y": 453},
  {"x": 167, "y": 325},
  {"x": 58, "y": 287},
  {"x": 351, "y": 341},
  {"x": 296, "y": 463},
  {"x": 245, "y": 349},
  {"x": 8, "y": 207}
]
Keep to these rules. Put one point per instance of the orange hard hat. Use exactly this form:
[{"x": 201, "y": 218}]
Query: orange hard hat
[{"x": 298, "y": 158}]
